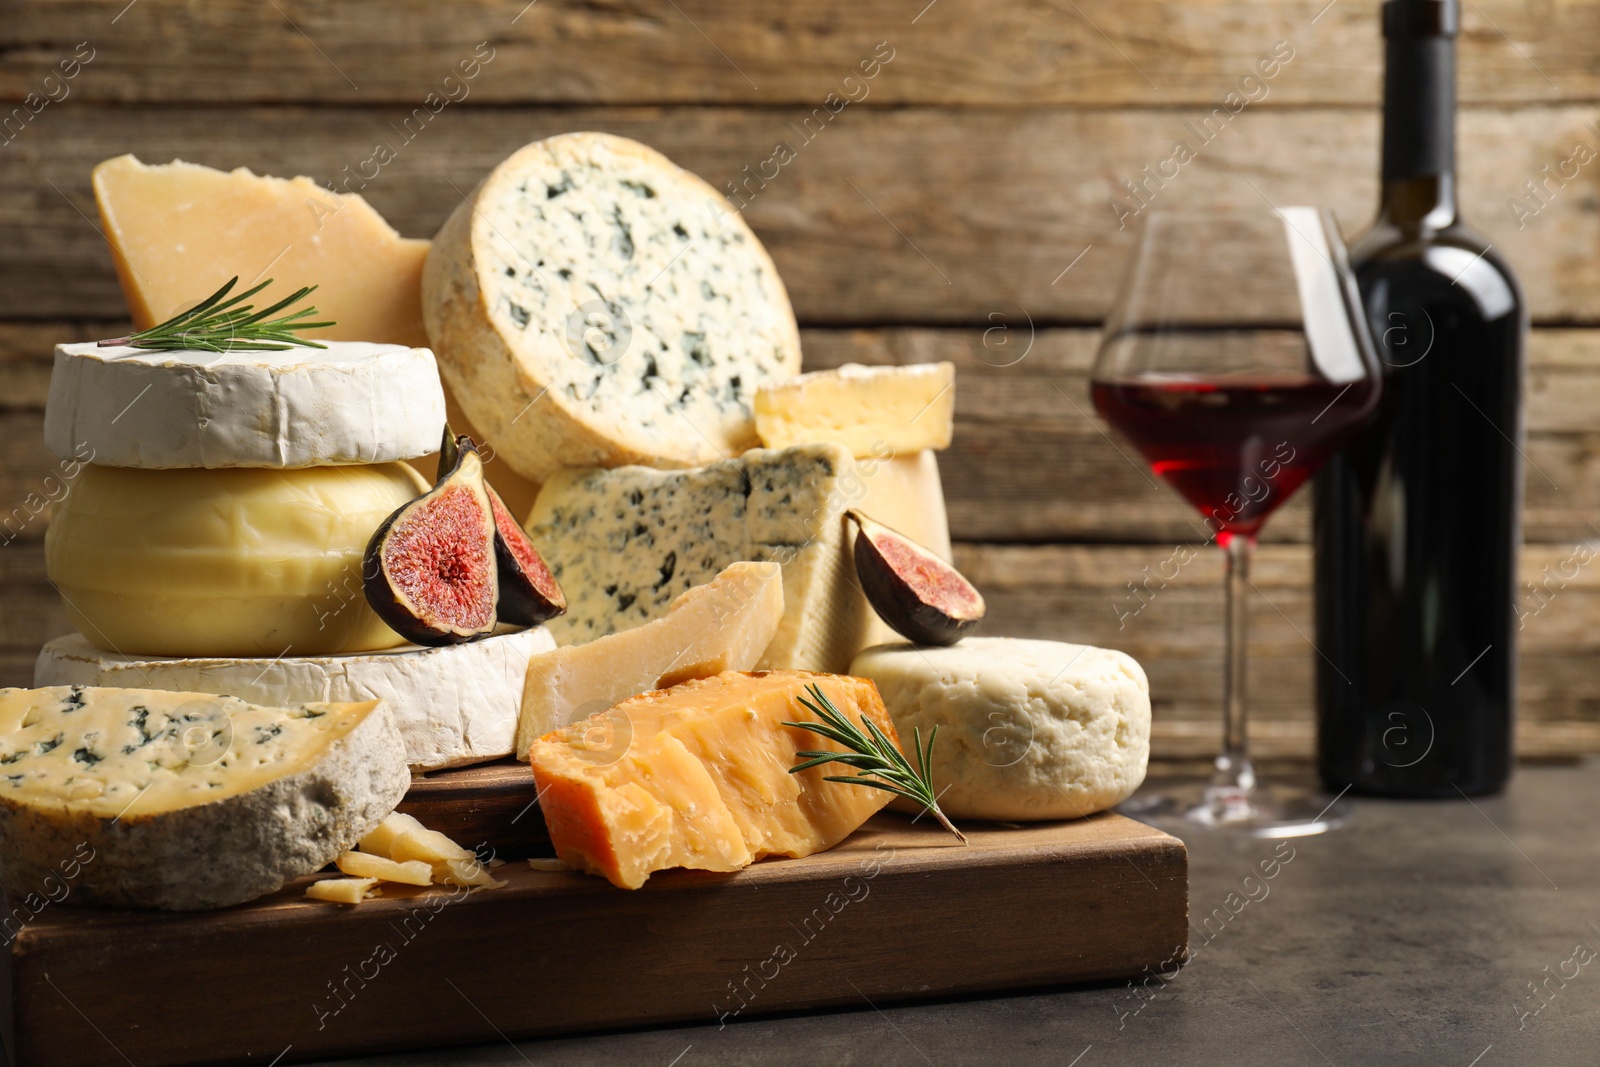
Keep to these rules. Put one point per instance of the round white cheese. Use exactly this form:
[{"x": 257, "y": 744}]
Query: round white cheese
[
  {"x": 224, "y": 562},
  {"x": 594, "y": 305},
  {"x": 454, "y": 705},
  {"x": 1027, "y": 729},
  {"x": 352, "y": 402}
]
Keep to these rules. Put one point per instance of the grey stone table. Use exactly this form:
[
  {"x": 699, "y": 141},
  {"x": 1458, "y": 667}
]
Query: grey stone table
[{"x": 1458, "y": 933}]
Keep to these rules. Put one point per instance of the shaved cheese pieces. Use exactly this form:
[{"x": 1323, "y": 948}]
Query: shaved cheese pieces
[
  {"x": 343, "y": 890},
  {"x": 400, "y": 838},
  {"x": 366, "y": 865}
]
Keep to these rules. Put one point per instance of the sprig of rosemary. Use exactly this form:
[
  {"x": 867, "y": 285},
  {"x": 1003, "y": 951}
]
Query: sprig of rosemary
[
  {"x": 218, "y": 325},
  {"x": 878, "y": 761}
]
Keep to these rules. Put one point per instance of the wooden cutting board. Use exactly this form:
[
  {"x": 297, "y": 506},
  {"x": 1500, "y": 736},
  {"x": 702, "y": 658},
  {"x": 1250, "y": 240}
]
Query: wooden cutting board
[{"x": 284, "y": 979}]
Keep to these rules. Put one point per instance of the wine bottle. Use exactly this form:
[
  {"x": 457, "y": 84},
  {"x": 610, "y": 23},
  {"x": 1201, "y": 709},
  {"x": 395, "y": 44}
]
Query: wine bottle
[{"x": 1418, "y": 517}]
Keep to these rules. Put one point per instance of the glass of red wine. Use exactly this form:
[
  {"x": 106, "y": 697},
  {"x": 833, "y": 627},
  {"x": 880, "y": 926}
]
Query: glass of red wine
[{"x": 1235, "y": 361}]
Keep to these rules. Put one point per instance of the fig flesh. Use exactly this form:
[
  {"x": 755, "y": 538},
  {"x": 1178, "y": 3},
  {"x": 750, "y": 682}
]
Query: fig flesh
[
  {"x": 529, "y": 593},
  {"x": 430, "y": 570},
  {"x": 921, "y": 597}
]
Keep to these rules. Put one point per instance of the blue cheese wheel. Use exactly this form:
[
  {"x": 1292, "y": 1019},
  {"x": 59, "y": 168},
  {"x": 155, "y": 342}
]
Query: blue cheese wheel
[{"x": 593, "y": 305}]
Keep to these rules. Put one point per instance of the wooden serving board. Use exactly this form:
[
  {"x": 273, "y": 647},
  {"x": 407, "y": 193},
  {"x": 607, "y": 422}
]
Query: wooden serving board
[{"x": 284, "y": 979}]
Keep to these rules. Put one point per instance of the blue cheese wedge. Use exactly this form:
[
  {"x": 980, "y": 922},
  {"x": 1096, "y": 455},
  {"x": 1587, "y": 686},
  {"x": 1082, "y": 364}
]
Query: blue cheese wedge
[
  {"x": 626, "y": 543},
  {"x": 594, "y": 305},
  {"x": 185, "y": 800}
]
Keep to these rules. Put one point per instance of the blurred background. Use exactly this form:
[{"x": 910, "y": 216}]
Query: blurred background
[{"x": 951, "y": 180}]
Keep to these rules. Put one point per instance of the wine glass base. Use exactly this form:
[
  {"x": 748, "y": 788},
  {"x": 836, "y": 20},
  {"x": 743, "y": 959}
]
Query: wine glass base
[{"x": 1271, "y": 811}]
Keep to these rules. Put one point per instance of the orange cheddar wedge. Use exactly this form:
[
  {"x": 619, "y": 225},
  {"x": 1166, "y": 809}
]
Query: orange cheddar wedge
[{"x": 698, "y": 776}]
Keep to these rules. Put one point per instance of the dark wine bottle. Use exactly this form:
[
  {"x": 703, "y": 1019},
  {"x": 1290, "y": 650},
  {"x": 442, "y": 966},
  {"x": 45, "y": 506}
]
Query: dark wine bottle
[{"x": 1418, "y": 517}]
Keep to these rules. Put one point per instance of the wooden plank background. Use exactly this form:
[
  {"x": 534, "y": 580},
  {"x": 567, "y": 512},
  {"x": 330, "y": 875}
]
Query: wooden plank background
[{"x": 960, "y": 207}]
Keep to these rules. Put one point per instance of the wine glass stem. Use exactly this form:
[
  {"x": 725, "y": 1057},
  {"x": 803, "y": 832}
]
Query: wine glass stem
[{"x": 1234, "y": 769}]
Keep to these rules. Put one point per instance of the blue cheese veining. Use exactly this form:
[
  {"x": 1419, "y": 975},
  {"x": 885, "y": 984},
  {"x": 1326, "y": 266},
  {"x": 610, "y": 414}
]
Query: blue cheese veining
[
  {"x": 187, "y": 800},
  {"x": 626, "y": 542},
  {"x": 595, "y": 305}
]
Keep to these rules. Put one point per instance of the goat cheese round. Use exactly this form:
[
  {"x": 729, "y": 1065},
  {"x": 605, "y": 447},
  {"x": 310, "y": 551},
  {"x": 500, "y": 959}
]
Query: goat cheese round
[
  {"x": 1027, "y": 729},
  {"x": 223, "y": 562},
  {"x": 349, "y": 403},
  {"x": 594, "y": 305},
  {"x": 453, "y": 705}
]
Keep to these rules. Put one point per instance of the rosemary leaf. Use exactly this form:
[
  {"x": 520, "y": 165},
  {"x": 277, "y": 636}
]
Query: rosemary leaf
[
  {"x": 879, "y": 762},
  {"x": 230, "y": 325}
]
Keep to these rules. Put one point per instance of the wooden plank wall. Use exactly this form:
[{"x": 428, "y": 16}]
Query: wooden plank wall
[{"x": 959, "y": 204}]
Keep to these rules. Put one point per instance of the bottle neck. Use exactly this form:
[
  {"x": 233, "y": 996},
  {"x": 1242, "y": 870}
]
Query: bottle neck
[{"x": 1419, "y": 121}]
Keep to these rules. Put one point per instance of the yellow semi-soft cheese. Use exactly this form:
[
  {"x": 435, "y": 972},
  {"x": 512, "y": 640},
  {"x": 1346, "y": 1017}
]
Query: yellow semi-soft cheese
[
  {"x": 698, "y": 776},
  {"x": 185, "y": 800},
  {"x": 872, "y": 411},
  {"x": 905, "y": 494},
  {"x": 224, "y": 562},
  {"x": 723, "y": 625},
  {"x": 178, "y": 231}
]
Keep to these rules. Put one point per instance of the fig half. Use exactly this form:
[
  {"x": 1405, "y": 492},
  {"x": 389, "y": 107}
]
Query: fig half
[
  {"x": 430, "y": 569},
  {"x": 921, "y": 597},
  {"x": 529, "y": 593}
]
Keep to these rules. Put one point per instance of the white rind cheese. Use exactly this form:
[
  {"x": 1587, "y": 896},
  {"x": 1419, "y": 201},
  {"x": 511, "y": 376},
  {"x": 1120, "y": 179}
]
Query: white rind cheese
[
  {"x": 594, "y": 305},
  {"x": 724, "y": 625},
  {"x": 626, "y": 543},
  {"x": 453, "y": 705},
  {"x": 224, "y": 562},
  {"x": 872, "y": 411},
  {"x": 353, "y": 402},
  {"x": 185, "y": 800},
  {"x": 1027, "y": 729}
]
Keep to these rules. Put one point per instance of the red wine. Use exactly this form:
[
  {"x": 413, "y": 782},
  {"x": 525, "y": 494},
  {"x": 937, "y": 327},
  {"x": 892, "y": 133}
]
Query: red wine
[
  {"x": 1417, "y": 519},
  {"x": 1236, "y": 449}
]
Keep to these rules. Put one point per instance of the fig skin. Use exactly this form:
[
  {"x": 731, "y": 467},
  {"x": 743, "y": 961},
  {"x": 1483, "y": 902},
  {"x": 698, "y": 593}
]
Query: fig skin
[
  {"x": 529, "y": 593},
  {"x": 931, "y": 603},
  {"x": 416, "y": 622}
]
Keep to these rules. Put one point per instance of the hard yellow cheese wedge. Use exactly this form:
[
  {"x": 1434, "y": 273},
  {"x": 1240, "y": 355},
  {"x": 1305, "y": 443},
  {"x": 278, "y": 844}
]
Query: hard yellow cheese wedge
[
  {"x": 872, "y": 411},
  {"x": 698, "y": 776},
  {"x": 725, "y": 624},
  {"x": 178, "y": 231}
]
